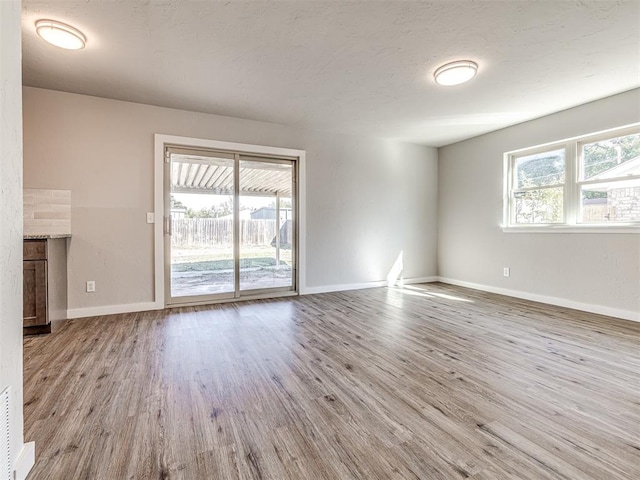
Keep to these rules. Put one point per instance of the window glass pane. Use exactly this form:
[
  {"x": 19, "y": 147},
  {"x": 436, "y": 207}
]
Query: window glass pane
[
  {"x": 611, "y": 202},
  {"x": 266, "y": 226},
  {"x": 612, "y": 158},
  {"x": 539, "y": 206},
  {"x": 201, "y": 205},
  {"x": 540, "y": 169}
]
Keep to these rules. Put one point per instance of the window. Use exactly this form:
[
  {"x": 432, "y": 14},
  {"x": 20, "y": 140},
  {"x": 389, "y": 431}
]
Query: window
[
  {"x": 610, "y": 180},
  {"x": 587, "y": 181},
  {"x": 538, "y": 196}
]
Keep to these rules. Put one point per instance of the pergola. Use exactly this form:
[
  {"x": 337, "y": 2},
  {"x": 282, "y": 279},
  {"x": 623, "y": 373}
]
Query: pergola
[
  {"x": 215, "y": 176},
  {"x": 208, "y": 175}
]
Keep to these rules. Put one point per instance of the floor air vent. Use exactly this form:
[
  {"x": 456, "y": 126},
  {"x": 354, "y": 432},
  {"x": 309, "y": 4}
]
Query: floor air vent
[{"x": 5, "y": 440}]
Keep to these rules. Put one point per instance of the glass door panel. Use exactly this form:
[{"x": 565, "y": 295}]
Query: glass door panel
[
  {"x": 229, "y": 225},
  {"x": 266, "y": 247},
  {"x": 201, "y": 257}
]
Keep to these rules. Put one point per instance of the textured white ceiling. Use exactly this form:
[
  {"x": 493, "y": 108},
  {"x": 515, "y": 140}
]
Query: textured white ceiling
[{"x": 359, "y": 67}]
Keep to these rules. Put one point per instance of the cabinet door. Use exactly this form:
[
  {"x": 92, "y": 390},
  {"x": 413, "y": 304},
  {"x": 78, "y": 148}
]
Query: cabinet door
[{"x": 34, "y": 293}]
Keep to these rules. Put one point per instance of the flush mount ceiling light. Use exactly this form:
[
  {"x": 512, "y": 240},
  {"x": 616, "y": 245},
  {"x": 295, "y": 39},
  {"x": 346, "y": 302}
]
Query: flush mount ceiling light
[
  {"x": 60, "y": 34},
  {"x": 455, "y": 73}
]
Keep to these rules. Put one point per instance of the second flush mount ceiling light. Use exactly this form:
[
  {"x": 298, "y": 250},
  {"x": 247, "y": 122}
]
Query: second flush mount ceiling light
[
  {"x": 60, "y": 34},
  {"x": 455, "y": 73}
]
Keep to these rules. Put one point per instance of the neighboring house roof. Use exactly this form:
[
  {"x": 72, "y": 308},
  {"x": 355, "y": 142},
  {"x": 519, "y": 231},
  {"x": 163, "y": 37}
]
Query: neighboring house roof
[
  {"x": 244, "y": 215},
  {"x": 268, "y": 212},
  {"x": 594, "y": 201},
  {"x": 630, "y": 167}
]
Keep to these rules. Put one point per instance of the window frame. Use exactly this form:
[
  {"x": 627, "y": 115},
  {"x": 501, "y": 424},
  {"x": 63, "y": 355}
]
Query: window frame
[
  {"x": 573, "y": 182},
  {"x": 513, "y": 172}
]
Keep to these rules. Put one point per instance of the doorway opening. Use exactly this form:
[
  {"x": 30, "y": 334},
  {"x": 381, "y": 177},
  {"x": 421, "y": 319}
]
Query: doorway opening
[{"x": 230, "y": 225}]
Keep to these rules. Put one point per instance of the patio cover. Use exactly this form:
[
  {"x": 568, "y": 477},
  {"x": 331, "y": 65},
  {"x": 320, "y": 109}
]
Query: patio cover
[{"x": 211, "y": 175}]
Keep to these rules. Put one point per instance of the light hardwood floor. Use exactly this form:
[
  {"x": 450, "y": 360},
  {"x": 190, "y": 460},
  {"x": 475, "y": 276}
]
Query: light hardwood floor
[{"x": 425, "y": 382}]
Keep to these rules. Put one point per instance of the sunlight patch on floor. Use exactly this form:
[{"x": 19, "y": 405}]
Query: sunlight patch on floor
[{"x": 422, "y": 292}]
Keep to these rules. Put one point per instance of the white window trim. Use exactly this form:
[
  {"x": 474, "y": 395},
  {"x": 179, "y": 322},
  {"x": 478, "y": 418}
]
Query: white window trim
[{"x": 572, "y": 185}]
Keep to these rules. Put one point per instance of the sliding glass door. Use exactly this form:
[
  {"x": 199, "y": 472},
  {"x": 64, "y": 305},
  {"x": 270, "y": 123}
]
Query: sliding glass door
[
  {"x": 230, "y": 225},
  {"x": 266, "y": 224}
]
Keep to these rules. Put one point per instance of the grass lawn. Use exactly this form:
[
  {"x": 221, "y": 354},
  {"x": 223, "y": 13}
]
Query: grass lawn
[{"x": 221, "y": 257}]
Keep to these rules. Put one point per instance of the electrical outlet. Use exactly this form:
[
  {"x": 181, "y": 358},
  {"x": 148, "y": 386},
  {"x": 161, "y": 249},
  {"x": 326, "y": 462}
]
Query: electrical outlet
[
  {"x": 506, "y": 272},
  {"x": 91, "y": 286},
  {"x": 151, "y": 217}
]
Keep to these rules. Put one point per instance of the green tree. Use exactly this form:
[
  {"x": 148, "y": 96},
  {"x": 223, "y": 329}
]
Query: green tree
[
  {"x": 600, "y": 156},
  {"x": 176, "y": 203},
  {"x": 539, "y": 206},
  {"x": 540, "y": 169},
  {"x": 214, "y": 211},
  {"x": 544, "y": 205}
]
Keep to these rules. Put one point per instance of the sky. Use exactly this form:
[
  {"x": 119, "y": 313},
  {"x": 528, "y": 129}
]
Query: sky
[{"x": 199, "y": 201}]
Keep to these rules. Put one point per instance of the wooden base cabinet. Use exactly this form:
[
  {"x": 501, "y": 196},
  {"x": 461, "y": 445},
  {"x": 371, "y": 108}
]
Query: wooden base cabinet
[{"x": 44, "y": 284}]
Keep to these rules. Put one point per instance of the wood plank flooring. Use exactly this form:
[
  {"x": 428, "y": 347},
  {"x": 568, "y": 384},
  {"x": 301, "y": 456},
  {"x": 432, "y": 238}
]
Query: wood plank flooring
[{"x": 421, "y": 382}]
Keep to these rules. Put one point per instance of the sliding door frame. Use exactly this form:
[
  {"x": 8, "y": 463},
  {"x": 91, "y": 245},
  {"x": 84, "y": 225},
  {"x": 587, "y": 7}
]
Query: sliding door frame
[
  {"x": 241, "y": 152},
  {"x": 273, "y": 160},
  {"x": 169, "y": 150}
]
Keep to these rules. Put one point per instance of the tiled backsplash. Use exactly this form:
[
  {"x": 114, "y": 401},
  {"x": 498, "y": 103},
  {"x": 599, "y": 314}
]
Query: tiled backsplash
[{"x": 47, "y": 212}]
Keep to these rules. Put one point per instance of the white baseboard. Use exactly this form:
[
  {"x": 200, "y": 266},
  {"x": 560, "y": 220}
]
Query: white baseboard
[
  {"x": 25, "y": 461},
  {"x": 341, "y": 288},
  {"x": 112, "y": 309},
  {"x": 560, "y": 302},
  {"x": 412, "y": 281},
  {"x": 145, "y": 306},
  {"x": 360, "y": 286}
]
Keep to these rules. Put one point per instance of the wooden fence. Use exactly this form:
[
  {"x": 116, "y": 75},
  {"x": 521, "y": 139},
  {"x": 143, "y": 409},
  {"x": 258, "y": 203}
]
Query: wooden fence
[
  {"x": 204, "y": 232},
  {"x": 598, "y": 213}
]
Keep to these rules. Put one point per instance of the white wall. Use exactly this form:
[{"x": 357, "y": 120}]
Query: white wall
[
  {"x": 585, "y": 270},
  {"x": 11, "y": 218},
  {"x": 367, "y": 199}
]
